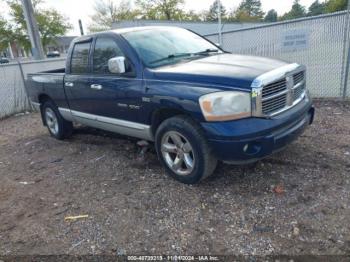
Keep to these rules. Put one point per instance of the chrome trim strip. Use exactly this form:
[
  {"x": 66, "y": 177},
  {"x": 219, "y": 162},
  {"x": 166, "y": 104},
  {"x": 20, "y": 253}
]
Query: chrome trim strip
[
  {"x": 299, "y": 84},
  {"x": 290, "y": 97},
  {"x": 110, "y": 124},
  {"x": 36, "y": 106},
  {"x": 292, "y": 105},
  {"x": 275, "y": 75},
  {"x": 257, "y": 102},
  {"x": 172, "y": 82},
  {"x": 109, "y": 120},
  {"x": 275, "y": 95},
  {"x": 66, "y": 114}
]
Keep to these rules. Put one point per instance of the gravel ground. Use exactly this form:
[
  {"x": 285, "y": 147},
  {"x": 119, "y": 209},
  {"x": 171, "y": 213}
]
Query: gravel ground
[{"x": 295, "y": 202}]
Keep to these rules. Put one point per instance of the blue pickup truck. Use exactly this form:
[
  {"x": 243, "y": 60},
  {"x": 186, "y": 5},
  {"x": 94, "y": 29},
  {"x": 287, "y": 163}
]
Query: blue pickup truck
[{"x": 196, "y": 102}]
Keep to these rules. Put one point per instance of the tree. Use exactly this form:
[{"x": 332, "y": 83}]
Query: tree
[
  {"x": 297, "y": 11},
  {"x": 6, "y": 35},
  {"x": 161, "y": 9},
  {"x": 336, "y": 5},
  {"x": 212, "y": 14},
  {"x": 271, "y": 16},
  {"x": 107, "y": 12},
  {"x": 192, "y": 16},
  {"x": 50, "y": 23},
  {"x": 249, "y": 11},
  {"x": 316, "y": 8}
]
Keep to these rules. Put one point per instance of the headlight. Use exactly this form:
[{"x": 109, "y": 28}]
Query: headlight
[{"x": 224, "y": 106}]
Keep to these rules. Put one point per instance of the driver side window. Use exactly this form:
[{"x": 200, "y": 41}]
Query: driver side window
[{"x": 105, "y": 49}]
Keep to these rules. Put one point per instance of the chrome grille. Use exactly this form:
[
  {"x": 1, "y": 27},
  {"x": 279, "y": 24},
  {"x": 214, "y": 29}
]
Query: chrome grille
[
  {"x": 274, "y": 88},
  {"x": 282, "y": 93},
  {"x": 275, "y": 104},
  {"x": 299, "y": 85},
  {"x": 299, "y": 77},
  {"x": 298, "y": 91},
  {"x": 274, "y": 96}
]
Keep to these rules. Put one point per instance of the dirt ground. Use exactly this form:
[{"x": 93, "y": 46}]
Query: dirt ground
[{"x": 295, "y": 202}]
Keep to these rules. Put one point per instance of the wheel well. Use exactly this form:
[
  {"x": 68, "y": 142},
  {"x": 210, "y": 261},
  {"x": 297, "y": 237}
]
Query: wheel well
[
  {"x": 162, "y": 114},
  {"x": 43, "y": 98}
]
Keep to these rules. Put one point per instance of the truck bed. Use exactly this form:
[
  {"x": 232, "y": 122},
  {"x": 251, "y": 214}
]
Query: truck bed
[
  {"x": 55, "y": 71},
  {"x": 50, "y": 83}
]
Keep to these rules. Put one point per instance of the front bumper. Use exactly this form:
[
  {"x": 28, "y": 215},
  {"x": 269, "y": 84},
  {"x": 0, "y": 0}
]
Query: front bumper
[{"x": 251, "y": 139}]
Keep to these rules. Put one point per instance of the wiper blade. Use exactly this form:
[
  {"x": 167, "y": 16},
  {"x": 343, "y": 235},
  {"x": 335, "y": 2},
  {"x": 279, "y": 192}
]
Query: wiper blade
[
  {"x": 178, "y": 55},
  {"x": 172, "y": 56},
  {"x": 207, "y": 51}
]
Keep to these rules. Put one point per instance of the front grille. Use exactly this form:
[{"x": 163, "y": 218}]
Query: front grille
[
  {"x": 274, "y": 104},
  {"x": 275, "y": 95},
  {"x": 299, "y": 77},
  {"x": 274, "y": 88},
  {"x": 298, "y": 91}
]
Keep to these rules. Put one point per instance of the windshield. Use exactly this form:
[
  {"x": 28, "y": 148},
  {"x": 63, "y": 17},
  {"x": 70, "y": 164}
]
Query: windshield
[{"x": 159, "y": 47}]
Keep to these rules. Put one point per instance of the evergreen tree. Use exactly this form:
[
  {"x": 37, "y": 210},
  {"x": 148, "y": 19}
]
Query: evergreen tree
[
  {"x": 212, "y": 15},
  {"x": 316, "y": 8},
  {"x": 297, "y": 11},
  {"x": 271, "y": 16},
  {"x": 252, "y": 8}
]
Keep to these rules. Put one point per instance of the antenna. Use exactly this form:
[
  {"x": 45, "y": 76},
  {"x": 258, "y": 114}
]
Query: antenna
[
  {"x": 81, "y": 27},
  {"x": 219, "y": 18}
]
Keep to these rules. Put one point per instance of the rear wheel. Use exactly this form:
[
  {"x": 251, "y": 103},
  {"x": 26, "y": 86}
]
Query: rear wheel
[
  {"x": 183, "y": 150},
  {"x": 57, "y": 126}
]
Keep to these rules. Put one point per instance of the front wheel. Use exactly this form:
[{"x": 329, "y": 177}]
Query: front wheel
[
  {"x": 57, "y": 126},
  {"x": 183, "y": 150}
]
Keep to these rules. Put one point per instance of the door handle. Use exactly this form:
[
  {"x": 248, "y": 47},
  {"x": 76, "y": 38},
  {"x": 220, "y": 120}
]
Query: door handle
[
  {"x": 96, "y": 87},
  {"x": 69, "y": 84}
]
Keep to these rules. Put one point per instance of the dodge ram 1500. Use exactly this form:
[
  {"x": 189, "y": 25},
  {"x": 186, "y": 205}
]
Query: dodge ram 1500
[{"x": 196, "y": 102}]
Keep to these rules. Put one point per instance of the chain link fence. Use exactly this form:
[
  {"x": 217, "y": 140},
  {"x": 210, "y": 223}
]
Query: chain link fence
[
  {"x": 13, "y": 98},
  {"x": 321, "y": 43},
  {"x": 13, "y": 95}
]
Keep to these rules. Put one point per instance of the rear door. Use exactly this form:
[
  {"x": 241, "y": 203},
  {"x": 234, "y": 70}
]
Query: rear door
[{"x": 78, "y": 78}]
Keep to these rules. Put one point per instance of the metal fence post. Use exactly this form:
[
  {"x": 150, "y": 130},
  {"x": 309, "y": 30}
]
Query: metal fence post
[
  {"x": 347, "y": 50},
  {"x": 25, "y": 85}
]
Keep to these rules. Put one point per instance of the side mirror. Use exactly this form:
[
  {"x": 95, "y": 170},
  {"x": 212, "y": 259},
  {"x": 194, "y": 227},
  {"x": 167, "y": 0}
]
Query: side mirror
[{"x": 116, "y": 65}]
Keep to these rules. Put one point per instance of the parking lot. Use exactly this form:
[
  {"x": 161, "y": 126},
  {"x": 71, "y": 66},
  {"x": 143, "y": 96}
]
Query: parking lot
[{"x": 294, "y": 202}]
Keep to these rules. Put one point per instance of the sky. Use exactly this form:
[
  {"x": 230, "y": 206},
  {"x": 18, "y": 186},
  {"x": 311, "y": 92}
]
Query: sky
[{"x": 83, "y": 9}]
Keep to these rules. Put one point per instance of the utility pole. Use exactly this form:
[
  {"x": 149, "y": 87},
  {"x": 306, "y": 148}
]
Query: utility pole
[
  {"x": 81, "y": 27},
  {"x": 219, "y": 18},
  {"x": 33, "y": 32}
]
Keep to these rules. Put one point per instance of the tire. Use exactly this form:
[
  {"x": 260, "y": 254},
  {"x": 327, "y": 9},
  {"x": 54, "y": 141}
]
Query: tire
[
  {"x": 183, "y": 150},
  {"x": 58, "y": 127}
]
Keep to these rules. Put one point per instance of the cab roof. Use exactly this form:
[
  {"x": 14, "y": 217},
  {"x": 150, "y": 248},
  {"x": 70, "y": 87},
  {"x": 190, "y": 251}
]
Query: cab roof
[{"x": 123, "y": 31}]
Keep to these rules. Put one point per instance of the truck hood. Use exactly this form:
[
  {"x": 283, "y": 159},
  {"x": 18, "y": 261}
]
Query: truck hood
[{"x": 226, "y": 70}]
